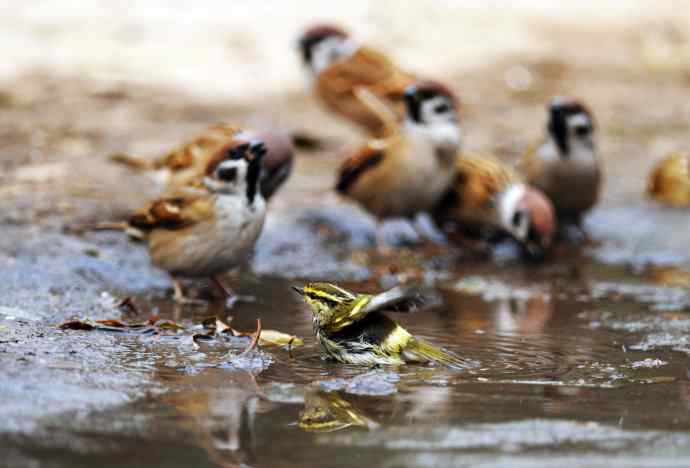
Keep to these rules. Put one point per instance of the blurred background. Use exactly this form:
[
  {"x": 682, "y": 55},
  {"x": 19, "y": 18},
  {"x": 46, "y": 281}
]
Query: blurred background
[{"x": 81, "y": 80}]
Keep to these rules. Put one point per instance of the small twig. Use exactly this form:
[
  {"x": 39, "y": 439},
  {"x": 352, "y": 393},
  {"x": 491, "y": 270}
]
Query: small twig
[
  {"x": 255, "y": 340},
  {"x": 289, "y": 350}
]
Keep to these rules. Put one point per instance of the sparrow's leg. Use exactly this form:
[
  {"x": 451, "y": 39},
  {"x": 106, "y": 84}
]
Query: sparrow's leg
[
  {"x": 570, "y": 230},
  {"x": 383, "y": 248},
  {"x": 179, "y": 296},
  {"x": 230, "y": 297},
  {"x": 427, "y": 230}
]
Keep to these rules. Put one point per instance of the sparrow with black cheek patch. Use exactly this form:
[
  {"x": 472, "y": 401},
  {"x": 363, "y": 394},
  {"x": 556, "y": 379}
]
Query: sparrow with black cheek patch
[
  {"x": 188, "y": 161},
  {"x": 409, "y": 171},
  {"x": 566, "y": 167},
  {"x": 488, "y": 198},
  {"x": 210, "y": 226},
  {"x": 669, "y": 181},
  {"x": 339, "y": 65}
]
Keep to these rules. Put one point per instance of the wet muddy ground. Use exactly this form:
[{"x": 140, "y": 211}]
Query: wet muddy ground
[{"x": 582, "y": 359}]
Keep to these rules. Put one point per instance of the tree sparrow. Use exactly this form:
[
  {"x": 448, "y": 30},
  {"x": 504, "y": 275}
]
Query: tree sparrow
[
  {"x": 188, "y": 161},
  {"x": 409, "y": 171},
  {"x": 210, "y": 226},
  {"x": 338, "y": 66},
  {"x": 669, "y": 182},
  {"x": 566, "y": 167},
  {"x": 488, "y": 198}
]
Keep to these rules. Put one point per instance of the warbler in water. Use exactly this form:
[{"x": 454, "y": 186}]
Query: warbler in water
[{"x": 352, "y": 329}]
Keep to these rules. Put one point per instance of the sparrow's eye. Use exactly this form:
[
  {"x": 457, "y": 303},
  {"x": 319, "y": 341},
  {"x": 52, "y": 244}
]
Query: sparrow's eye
[
  {"x": 442, "y": 108},
  {"x": 518, "y": 218},
  {"x": 227, "y": 174},
  {"x": 583, "y": 130}
]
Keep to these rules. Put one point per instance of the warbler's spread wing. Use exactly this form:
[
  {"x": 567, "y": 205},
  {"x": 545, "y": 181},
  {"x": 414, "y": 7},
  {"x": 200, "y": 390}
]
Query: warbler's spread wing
[
  {"x": 357, "y": 165},
  {"x": 399, "y": 299},
  {"x": 174, "y": 212}
]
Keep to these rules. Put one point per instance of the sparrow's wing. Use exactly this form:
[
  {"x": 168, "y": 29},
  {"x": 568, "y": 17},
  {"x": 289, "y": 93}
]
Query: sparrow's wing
[
  {"x": 366, "y": 67},
  {"x": 174, "y": 212},
  {"x": 400, "y": 299},
  {"x": 479, "y": 179},
  {"x": 355, "y": 166},
  {"x": 529, "y": 164},
  {"x": 195, "y": 153},
  {"x": 385, "y": 113}
]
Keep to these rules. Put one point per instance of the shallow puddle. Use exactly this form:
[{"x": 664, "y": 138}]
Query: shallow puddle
[{"x": 562, "y": 362}]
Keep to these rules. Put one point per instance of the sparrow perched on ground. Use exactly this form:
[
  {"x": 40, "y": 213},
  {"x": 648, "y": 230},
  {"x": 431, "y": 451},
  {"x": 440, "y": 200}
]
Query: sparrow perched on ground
[
  {"x": 566, "y": 167},
  {"x": 409, "y": 171},
  {"x": 208, "y": 227},
  {"x": 188, "y": 161},
  {"x": 489, "y": 198},
  {"x": 352, "y": 329},
  {"x": 669, "y": 182},
  {"x": 339, "y": 65}
]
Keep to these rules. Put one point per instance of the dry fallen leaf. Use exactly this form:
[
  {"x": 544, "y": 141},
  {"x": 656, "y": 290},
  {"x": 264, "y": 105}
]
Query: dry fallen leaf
[
  {"x": 112, "y": 323},
  {"x": 224, "y": 327},
  {"x": 276, "y": 338},
  {"x": 169, "y": 325}
]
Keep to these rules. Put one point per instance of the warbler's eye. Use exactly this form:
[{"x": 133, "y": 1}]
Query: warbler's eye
[{"x": 329, "y": 302}]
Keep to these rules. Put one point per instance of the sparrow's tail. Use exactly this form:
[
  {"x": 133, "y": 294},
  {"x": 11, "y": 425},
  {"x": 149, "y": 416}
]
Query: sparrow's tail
[
  {"x": 424, "y": 352},
  {"x": 133, "y": 162},
  {"x": 125, "y": 227}
]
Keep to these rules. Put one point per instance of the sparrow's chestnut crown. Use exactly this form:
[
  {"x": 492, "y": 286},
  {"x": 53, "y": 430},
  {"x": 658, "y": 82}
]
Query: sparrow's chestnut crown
[{"x": 316, "y": 34}]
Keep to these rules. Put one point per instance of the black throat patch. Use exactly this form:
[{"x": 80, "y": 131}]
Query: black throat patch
[
  {"x": 253, "y": 174},
  {"x": 558, "y": 129}
]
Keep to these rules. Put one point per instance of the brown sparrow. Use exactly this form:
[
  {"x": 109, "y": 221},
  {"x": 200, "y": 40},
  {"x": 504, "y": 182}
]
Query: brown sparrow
[
  {"x": 209, "y": 226},
  {"x": 409, "y": 171},
  {"x": 488, "y": 198},
  {"x": 188, "y": 161},
  {"x": 339, "y": 65},
  {"x": 566, "y": 167},
  {"x": 669, "y": 181}
]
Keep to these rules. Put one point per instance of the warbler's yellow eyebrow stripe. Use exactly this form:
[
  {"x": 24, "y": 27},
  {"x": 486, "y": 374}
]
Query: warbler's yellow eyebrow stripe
[{"x": 317, "y": 293}]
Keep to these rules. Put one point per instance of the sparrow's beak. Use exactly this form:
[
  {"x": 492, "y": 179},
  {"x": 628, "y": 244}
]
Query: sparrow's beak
[
  {"x": 534, "y": 252},
  {"x": 257, "y": 149},
  {"x": 410, "y": 91},
  {"x": 298, "y": 290}
]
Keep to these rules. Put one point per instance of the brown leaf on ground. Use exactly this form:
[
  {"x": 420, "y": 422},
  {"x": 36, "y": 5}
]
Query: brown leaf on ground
[{"x": 112, "y": 323}]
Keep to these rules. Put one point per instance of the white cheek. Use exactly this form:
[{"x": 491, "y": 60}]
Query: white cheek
[
  {"x": 507, "y": 208},
  {"x": 578, "y": 120},
  {"x": 330, "y": 51}
]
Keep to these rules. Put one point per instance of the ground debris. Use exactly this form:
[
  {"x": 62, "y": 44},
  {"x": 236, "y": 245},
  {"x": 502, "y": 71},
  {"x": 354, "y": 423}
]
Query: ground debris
[{"x": 219, "y": 327}]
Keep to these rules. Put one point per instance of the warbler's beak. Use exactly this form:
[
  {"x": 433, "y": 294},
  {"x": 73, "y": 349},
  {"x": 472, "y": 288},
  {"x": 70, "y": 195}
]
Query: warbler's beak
[{"x": 299, "y": 291}]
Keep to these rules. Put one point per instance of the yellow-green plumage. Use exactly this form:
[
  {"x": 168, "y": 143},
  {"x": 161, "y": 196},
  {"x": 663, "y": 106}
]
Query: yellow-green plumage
[{"x": 351, "y": 328}]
